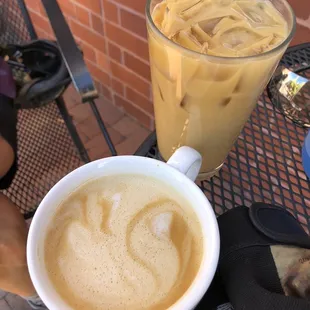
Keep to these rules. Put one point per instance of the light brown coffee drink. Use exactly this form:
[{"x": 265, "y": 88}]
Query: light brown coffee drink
[
  {"x": 123, "y": 242},
  {"x": 210, "y": 61}
]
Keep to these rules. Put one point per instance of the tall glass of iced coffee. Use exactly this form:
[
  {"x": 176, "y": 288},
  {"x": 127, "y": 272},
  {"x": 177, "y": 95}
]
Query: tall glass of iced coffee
[{"x": 210, "y": 61}]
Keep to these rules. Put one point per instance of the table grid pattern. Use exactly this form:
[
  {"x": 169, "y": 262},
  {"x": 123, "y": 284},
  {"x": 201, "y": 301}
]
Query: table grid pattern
[
  {"x": 12, "y": 24},
  {"x": 265, "y": 163},
  {"x": 46, "y": 153}
]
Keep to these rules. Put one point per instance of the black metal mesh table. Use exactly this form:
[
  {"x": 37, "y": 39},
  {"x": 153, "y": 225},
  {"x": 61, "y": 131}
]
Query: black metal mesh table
[
  {"x": 46, "y": 153},
  {"x": 265, "y": 163},
  {"x": 48, "y": 145},
  {"x": 14, "y": 28}
]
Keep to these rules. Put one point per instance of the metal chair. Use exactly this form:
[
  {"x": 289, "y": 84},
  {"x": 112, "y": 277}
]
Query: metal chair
[{"x": 49, "y": 146}]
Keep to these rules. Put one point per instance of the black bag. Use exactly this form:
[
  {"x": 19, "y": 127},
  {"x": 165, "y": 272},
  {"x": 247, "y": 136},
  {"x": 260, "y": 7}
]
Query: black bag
[{"x": 264, "y": 262}]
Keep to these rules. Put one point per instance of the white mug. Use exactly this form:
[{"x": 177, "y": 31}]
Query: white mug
[{"x": 179, "y": 172}]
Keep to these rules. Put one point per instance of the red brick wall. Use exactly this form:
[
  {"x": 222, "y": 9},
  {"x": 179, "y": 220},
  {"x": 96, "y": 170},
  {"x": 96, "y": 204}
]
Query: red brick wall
[
  {"x": 112, "y": 34},
  {"x": 302, "y": 11},
  {"x": 113, "y": 37}
]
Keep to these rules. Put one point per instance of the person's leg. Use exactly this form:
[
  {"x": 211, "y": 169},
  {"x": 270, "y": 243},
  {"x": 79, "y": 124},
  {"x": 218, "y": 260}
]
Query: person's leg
[
  {"x": 7, "y": 157},
  {"x": 14, "y": 276}
]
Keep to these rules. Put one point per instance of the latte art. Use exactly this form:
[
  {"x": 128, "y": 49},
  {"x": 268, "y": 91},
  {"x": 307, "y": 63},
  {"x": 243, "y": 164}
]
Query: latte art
[{"x": 124, "y": 242}]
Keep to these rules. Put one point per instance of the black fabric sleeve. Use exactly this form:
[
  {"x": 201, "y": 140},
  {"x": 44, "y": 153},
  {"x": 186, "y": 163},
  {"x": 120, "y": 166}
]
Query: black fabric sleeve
[{"x": 8, "y": 121}]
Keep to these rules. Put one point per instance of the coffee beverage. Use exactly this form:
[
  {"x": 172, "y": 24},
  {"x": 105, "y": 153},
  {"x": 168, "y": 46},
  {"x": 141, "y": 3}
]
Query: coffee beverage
[
  {"x": 123, "y": 242},
  {"x": 209, "y": 64}
]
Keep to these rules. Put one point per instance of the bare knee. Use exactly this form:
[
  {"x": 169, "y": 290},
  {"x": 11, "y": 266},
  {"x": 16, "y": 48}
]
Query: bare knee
[
  {"x": 7, "y": 157},
  {"x": 9, "y": 214},
  {"x": 13, "y": 231},
  {"x": 14, "y": 275}
]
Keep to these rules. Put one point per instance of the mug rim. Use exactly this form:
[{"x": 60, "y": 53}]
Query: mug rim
[{"x": 209, "y": 262}]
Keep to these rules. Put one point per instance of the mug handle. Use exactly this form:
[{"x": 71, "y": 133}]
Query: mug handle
[{"x": 187, "y": 161}]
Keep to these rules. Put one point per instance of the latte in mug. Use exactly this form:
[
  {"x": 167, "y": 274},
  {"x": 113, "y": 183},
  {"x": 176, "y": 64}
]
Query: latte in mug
[{"x": 123, "y": 242}]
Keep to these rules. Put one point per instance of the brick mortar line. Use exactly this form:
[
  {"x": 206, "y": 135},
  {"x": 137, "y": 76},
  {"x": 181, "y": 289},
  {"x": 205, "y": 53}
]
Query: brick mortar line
[
  {"x": 74, "y": 19},
  {"x": 125, "y": 85},
  {"x": 99, "y": 68},
  {"x": 144, "y": 80},
  {"x": 137, "y": 75},
  {"x": 101, "y": 95},
  {"x": 127, "y": 31},
  {"x": 106, "y": 44},
  {"x": 304, "y": 22},
  {"x": 137, "y": 56},
  {"x": 113, "y": 92},
  {"x": 122, "y": 56},
  {"x": 31, "y": 9},
  {"x": 90, "y": 19},
  {"x": 71, "y": 18},
  {"x": 118, "y": 11},
  {"x": 118, "y": 81},
  {"x": 122, "y": 48},
  {"x": 121, "y": 108},
  {"x": 97, "y": 53},
  {"x": 46, "y": 33},
  {"x": 126, "y": 91},
  {"x": 135, "y": 105},
  {"x": 107, "y": 40},
  {"x": 128, "y": 86},
  {"x": 126, "y": 8},
  {"x": 38, "y": 14},
  {"x": 86, "y": 8},
  {"x": 110, "y": 74}
]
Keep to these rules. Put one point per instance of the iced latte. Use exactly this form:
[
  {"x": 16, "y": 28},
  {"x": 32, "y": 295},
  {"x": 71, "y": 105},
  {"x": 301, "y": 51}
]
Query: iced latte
[{"x": 210, "y": 61}]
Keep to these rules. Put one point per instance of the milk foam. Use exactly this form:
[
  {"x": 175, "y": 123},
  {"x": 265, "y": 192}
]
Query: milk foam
[{"x": 123, "y": 242}]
